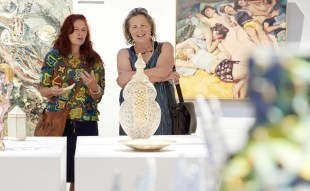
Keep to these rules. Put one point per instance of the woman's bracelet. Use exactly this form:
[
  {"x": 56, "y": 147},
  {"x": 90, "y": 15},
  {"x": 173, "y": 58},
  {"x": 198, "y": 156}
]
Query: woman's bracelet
[{"x": 95, "y": 93}]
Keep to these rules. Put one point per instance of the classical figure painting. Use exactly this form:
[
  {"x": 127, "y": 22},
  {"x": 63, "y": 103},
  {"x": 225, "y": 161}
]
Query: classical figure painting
[
  {"x": 27, "y": 30},
  {"x": 214, "y": 39}
]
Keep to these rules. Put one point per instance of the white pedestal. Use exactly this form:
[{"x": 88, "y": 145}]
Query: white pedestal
[
  {"x": 36, "y": 164},
  {"x": 97, "y": 159}
]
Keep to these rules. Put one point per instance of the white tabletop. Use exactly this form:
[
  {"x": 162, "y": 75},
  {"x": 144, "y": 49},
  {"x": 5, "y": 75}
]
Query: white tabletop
[
  {"x": 98, "y": 158},
  {"x": 36, "y": 164}
]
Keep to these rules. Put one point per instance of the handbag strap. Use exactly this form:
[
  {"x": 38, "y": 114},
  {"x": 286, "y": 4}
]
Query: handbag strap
[
  {"x": 179, "y": 91},
  {"x": 178, "y": 87},
  {"x": 171, "y": 100}
]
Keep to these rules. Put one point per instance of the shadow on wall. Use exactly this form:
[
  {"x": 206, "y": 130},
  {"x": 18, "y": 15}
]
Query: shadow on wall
[{"x": 295, "y": 19}]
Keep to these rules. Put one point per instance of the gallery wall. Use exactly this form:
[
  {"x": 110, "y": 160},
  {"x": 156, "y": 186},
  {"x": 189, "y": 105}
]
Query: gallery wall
[{"x": 106, "y": 17}]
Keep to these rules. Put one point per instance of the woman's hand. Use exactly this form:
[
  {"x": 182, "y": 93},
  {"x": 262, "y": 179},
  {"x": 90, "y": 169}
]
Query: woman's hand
[
  {"x": 56, "y": 91},
  {"x": 89, "y": 80},
  {"x": 173, "y": 77},
  {"x": 49, "y": 92}
]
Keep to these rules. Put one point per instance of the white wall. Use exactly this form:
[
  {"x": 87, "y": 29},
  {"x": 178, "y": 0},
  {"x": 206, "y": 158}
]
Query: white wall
[
  {"x": 299, "y": 22},
  {"x": 106, "y": 22}
]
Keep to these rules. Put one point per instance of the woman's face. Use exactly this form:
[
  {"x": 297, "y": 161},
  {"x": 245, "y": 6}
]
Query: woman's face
[
  {"x": 78, "y": 36},
  {"x": 140, "y": 28},
  {"x": 242, "y": 3},
  {"x": 229, "y": 10},
  {"x": 209, "y": 12}
]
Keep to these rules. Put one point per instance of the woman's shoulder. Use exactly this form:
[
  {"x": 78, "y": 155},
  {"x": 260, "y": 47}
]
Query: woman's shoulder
[
  {"x": 98, "y": 61},
  {"x": 52, "y": 56},
  {"x": 97, "y": 57},
  {"x": 54, "y": 53},
  {"x": 166, "y": 45},
  {"x": 123, "y": 52}
]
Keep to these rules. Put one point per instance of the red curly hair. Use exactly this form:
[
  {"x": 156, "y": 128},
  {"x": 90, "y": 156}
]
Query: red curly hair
[{"x": 63, "y": 44}]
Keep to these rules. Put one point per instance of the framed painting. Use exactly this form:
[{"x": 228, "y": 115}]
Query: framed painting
[{"x": 214, "y": 39}]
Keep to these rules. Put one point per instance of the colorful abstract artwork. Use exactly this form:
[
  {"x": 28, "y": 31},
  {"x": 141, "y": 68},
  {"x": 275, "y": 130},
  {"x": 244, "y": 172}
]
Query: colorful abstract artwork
[
  {"x": 214, "y": 39},
  {"x": 27, "y": 30}
]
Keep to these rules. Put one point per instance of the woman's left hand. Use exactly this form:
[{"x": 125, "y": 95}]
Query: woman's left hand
[
  {"x": 173, "y": 77},
  {"x": 89, "y": 80}
]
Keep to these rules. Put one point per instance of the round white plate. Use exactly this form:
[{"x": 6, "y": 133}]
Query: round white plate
[{"x": 146, "y": 144}]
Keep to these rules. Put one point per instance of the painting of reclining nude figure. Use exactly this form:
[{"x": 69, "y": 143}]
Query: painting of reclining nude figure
[{"x": 214, "y": 39}]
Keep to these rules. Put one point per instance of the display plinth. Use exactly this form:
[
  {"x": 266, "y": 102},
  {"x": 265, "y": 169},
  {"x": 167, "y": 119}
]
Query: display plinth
[
  {"x": 97, "y": 160},
  {"x": 36, "y": 164}
]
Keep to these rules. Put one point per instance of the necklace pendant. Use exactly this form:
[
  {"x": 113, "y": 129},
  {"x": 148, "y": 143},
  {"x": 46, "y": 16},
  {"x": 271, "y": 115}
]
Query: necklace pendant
[{"x": 144, "y": 53}]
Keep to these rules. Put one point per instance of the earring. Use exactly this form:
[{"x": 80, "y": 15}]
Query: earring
[{"x": 153, "y": 38}]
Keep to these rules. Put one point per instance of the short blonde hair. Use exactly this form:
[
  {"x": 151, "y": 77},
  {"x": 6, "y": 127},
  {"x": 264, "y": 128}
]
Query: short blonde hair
[{"x": 180, "y": 55}]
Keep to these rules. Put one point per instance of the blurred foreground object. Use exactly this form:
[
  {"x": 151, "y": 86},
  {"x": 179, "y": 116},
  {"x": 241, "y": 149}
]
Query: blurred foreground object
[{"x": 277, "y": 154}]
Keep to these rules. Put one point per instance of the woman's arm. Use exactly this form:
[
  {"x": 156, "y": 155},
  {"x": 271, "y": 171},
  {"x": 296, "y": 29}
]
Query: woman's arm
[
  {"x": 94, "y": 84},
  {"x": 164, "y": 64},
  {"x": 269, "y": 28},
  {"x": 224, "y": 51},
  {"x": 203, "y": 19},
  {"x": 184, "y": 64},
  {"x": 182, "y": 44},
  {"x": 159, "y": 73},
  {"x": 259, "y": 10},
  {"x": 45, "y": 87},
  {"x": 124, "y": 70},
  {"x": 186, "y": 43},
  {"x": 211, "y": 43}
]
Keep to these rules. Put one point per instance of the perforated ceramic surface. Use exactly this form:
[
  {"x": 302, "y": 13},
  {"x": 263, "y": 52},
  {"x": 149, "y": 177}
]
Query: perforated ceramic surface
[{"x": 140, "y": 113}]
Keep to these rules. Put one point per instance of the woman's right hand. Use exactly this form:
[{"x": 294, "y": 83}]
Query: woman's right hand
[
  {"x": 49, "y": 92},
  {"x": 56, "y": 91}
]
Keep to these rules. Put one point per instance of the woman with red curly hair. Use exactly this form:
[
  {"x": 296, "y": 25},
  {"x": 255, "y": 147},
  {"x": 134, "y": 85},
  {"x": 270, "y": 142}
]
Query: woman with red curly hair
[{"x": 73, "y": 59}]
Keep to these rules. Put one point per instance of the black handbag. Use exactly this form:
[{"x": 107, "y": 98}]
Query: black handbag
[{"x": 184, "y": 119}]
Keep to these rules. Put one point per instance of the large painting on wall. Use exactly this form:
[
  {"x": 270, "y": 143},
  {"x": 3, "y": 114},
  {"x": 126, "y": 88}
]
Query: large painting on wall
[
  {"x": 214, "y": 39},
  {"x": 27, "y": 30}
]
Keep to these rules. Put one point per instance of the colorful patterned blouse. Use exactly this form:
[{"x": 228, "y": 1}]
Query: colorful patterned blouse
[{"x": 56, "y": 71}]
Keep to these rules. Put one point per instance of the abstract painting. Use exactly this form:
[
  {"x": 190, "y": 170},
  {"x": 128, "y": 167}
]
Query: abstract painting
[{"x": 27, "y": 30}]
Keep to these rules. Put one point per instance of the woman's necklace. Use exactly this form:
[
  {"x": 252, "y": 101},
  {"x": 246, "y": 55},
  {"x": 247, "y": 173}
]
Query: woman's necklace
[
  {"x": 149, "y": 51},
  {"x": 146, "y": 52}
]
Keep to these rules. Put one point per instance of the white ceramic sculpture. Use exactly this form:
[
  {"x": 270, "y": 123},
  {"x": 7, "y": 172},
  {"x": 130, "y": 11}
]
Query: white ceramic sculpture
[
  {"x": 17, "y": 124},
  {"x": 140, "y": 113}
]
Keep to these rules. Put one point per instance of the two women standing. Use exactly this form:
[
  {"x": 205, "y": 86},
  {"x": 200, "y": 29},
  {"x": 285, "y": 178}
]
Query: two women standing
[{"x": 73, "y": 59}]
